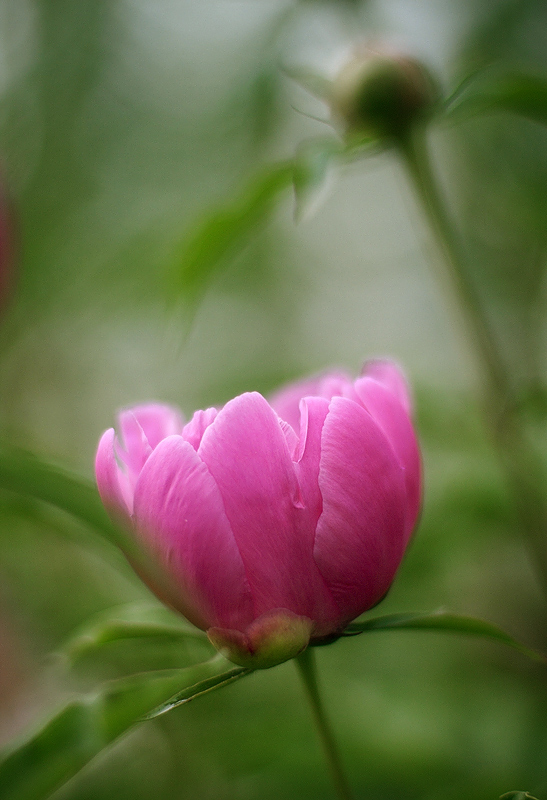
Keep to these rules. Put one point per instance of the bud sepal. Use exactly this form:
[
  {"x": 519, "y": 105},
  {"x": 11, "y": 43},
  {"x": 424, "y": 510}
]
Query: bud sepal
[{"x": 272, "y": 638}]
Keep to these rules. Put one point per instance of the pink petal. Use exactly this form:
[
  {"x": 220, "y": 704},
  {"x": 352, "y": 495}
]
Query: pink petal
[
  {"x": 286, "y": 402},
  {"x": 179, "y": 515},
  {"x": 111, "y": 481},
  {"x": 390, "y": 415},
  {"x": 335, "y": 383},
  {"x": 290, "y": 437},
  {"x": 194, "y": 430},
  {"x": 247, "y": 454},
  {"x": 136, "y": 446},
  {"x": 142, "y": 428},
  {"x": 157, "y": 421},
  {"x": 389, "y": 374},
  {"x": 313, "y": 413},
  {"x": 360, "y": 535}
]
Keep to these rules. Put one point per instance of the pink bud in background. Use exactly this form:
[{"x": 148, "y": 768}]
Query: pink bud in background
[{"x": 276, "y": 523}]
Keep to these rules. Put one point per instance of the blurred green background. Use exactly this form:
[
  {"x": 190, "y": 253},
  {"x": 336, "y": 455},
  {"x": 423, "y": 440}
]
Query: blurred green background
[{"x": 122, "y": 122}]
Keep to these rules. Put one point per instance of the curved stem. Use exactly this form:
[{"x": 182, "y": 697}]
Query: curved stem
[
  {"x": 418, "y": 164},
  {"x": 523, "y": 467},
  {"x": 306, "y": 666}
]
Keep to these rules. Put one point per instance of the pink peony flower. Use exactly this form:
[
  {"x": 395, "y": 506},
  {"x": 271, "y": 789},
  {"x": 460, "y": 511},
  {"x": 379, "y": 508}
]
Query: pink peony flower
[{"x": 272, "y": 524}]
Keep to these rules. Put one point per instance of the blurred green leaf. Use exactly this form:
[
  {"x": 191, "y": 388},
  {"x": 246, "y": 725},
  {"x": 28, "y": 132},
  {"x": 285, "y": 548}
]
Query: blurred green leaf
[
  {"x": 100, "y": 633},
  {"x": 312, "y": 163},
  {"x": 75, "y": 735},
  {"x": 517, "y": 796},
  {"x": 312, "y": 81},
  {"x": 516, "y": 93},
  {"x": 443, "y": 621},
  {"x": 226, "y": 231},
  {"x": 28, "y": 475}
]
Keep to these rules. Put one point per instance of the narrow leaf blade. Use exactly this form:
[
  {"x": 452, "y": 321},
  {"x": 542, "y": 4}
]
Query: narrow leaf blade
[
  {"x": 205, "y": 686},
  {"x": 73, "y": 737},
  {"x": 26, "y": 474},
  {"x": 313, "y": 82},
  {"x": 525, "y": 95},
  {"x": 226, "y": 231},
  {"x": 312, "y": 165},
  {"x": 517, "y": 796},
  {"x": 95, "y": 638},
  {"x": 445, "y": 622}
]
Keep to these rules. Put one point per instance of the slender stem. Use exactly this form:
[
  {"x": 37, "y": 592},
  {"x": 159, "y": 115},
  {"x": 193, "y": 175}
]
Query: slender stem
[
  {"x": 414, "y": 151},
  {"x": 306, "y": 666},
  {"x": 523, "y": 467}
]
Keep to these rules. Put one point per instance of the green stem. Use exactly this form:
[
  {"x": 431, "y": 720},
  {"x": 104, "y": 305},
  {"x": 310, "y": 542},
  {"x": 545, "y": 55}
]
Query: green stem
[
  {"x": 523, "y": 468},
  {"x": 306, "y": 666},
  {"x": 418, "y": 164}
]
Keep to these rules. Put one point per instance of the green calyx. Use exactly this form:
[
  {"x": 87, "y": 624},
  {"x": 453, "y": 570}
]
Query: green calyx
[{"x": 272, "y": 638}]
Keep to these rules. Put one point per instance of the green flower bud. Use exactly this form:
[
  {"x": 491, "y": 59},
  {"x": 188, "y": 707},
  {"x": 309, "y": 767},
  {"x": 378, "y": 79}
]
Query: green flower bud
[{"x": 382, "y": 95}]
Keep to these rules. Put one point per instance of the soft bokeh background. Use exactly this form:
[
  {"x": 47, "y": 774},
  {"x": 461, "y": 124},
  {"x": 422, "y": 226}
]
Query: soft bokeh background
[{"x": 121, "y": 123}]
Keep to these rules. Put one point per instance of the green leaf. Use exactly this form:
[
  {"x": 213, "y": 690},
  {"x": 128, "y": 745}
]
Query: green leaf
[
  {"x": 443, "y": 621},
  {"x": 312, "y": 163},
  {"x": 137, "y": 621},
  {"x": 226, "y": 231},
  {"x": 311, "y": 81},
  {"x": 515, "y": 93},
  {"x": 26, "y": 474},
  {"x": 517, "y": 796},
  {"x": 205, "y": 686},
  {"x": 73, "y": 737}
]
